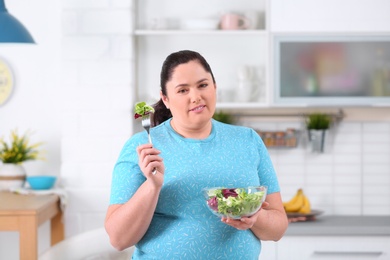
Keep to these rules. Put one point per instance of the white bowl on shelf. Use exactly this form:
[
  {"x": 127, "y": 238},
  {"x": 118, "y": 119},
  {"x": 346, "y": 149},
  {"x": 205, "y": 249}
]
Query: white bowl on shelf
[{"x": 200, "y": 24}]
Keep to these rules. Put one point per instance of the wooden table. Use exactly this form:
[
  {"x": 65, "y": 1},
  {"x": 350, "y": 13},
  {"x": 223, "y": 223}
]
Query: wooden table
[{"x": 25, "y": 213}]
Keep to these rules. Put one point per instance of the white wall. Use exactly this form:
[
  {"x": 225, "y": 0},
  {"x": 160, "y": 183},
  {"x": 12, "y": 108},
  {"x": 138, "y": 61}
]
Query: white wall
[
  {"x": 36, "y": 102},
  {"x": 74, "y": 88},
  {"x": 352, "y": 176},
  {"x": 97, "y": 114}
]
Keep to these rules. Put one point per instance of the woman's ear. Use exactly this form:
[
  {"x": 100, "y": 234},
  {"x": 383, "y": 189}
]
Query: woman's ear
[{"x": 164, "y": 99}]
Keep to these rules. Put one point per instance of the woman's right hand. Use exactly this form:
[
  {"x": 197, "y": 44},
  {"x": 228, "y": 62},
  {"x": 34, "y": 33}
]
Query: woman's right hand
[{"x": 149, "y": 160}]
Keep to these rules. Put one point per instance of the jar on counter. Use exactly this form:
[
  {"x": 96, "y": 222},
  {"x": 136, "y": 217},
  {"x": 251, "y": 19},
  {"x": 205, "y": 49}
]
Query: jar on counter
[
  {"x": 291, "y": 138},
  {"x": 269, "y": 139},
  {"x": 279, "y": 139}
]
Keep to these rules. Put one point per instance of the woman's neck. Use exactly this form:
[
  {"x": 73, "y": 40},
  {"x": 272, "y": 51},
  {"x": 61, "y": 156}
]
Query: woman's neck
[{"x": 201, "y": 132}]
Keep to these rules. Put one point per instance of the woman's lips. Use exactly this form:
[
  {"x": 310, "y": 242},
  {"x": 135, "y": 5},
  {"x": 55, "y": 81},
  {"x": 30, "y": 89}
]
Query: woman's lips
[{"x": 198, "y": 108}]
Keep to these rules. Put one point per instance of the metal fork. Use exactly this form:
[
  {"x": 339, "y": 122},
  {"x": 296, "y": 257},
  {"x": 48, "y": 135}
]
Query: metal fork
[{"x": 146, "y": 125}]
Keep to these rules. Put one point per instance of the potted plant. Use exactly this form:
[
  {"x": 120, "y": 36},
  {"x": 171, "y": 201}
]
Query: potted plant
[
  {"x": 224, "y": 117},
  {"x": 12, "y": 155},
  {"x": 317, "y": 125}
]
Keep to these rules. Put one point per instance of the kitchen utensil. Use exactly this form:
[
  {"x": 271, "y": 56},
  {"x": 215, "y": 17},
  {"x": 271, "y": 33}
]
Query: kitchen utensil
[
  {"x": 233, "y": 21},
  {"x": 313, "y": 213},
  {"x": 40, "y": 182},
  {"x": 146, "y": 125},
  {"x": 200, "y": 24},
  {"x": 158, "y": 23},
  {"x": 247, "y": 89}
]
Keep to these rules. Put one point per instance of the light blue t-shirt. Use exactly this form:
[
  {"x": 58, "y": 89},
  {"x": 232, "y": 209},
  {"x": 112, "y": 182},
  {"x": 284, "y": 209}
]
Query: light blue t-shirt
[{"x": 182, "y": 226}]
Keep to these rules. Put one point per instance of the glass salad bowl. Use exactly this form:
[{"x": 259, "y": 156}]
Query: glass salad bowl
[{"x": 235, "y": 202}]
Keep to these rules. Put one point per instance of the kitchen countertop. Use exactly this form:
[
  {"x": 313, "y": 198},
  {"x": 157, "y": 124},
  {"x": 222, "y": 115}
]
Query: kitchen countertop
[{"x": 341, "y": 226}]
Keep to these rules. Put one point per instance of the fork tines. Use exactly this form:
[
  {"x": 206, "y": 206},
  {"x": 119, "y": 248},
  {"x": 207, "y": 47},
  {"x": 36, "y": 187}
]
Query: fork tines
[
  {"x": 146, "y": 122},
  {"x": 146, "y": 125}
]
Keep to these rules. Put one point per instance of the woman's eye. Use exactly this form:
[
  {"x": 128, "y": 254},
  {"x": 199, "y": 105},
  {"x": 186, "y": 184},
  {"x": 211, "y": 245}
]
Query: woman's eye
[
  {"x": 203, "y": 85},
  {"x": 181, "y": 91}
]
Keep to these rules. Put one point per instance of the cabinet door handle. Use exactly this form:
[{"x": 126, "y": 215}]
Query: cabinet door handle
[{"x": 348, "y": 253}]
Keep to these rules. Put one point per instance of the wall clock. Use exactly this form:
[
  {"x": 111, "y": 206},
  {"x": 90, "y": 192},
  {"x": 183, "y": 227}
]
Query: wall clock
[{"x": 6, "y": 81}]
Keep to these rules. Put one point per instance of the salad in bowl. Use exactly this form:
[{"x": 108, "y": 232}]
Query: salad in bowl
[{"x": 235, "y": 202}]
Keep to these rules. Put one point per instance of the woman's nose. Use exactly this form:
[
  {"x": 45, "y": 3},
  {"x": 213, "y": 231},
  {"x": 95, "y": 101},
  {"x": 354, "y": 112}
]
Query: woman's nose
[{"x": 195, "y": 97}]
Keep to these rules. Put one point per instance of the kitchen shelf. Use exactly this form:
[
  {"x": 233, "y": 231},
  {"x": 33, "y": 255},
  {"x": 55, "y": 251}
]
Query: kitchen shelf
[
  {"x": 225, "y": 50},
  {"x": 339, "y": 115},
  {"x": 207, "y": 32},
  {"x": 241, "y": 106}
]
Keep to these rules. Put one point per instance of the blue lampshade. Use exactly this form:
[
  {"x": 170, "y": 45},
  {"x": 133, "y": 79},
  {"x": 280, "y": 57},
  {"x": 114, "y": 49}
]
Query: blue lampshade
[{"x": 11, "y": 30}]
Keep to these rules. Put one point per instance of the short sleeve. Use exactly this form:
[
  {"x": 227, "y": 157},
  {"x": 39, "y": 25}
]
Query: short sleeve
[{"x": 127, "y": 176}]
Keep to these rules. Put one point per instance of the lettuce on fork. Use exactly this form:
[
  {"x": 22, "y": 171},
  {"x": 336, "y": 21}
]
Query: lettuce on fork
[{"x": 141, "y": 109}]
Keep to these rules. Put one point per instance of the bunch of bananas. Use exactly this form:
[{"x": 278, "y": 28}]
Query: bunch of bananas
[{"x": 298, "y": 204}]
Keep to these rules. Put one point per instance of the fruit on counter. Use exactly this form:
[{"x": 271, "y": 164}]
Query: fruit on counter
[
  {"x": 298, "y": 204},
  {"x": 305, "y": 209},
  {"x": 295, "y": 203},
  {"x": 141, "y": 109}
]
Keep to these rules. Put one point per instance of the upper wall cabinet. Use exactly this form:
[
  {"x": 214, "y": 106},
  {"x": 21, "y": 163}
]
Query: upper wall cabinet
[
  {"x": 332, "y": 70},
  {"x": 269, "y": 53},
  {"x": 232, "y": 35},
  {"x": 329, "y": 16},
  {"x": 330, "y": 53}
]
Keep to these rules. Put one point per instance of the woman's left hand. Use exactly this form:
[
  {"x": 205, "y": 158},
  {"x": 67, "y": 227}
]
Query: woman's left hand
[{"x": 245, "y": 222}]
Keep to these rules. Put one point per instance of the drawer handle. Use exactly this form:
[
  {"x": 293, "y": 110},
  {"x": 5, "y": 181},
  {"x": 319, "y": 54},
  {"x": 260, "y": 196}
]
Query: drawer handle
[{"x": 348, "y": 253}]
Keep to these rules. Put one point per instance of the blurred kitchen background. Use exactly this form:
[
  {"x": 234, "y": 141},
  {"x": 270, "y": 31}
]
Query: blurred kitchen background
[{"x": 92, "y": 60}]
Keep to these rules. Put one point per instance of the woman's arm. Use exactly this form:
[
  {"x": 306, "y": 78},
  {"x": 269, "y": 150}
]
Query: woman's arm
[
  {"x": 270, "y": 223},
  {"x": 127, "y": 223}
]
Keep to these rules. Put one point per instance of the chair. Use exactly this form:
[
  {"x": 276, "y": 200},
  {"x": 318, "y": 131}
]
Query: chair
[{"x": 90, "y": 245}]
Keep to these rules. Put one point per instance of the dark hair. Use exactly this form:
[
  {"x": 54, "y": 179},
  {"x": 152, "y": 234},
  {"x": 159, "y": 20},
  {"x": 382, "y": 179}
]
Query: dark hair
[{"x": 175, "y": 59}]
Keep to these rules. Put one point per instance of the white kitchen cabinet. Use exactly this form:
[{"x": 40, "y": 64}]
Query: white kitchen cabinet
[
  {"x": 333, "y": 247},
  {"x": 337, "y": 74},
  {"x": 332, "y": 69},
  {"x": 330, "y": 16},
  {"x": 268, "y": 250},
  {"x": 160, "y": 28}
]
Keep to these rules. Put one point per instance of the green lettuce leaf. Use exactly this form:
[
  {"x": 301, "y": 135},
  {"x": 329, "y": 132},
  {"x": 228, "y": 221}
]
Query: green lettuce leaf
[
  {"x": 141, "y": 109},
  {"x": 241, "y": 205}
]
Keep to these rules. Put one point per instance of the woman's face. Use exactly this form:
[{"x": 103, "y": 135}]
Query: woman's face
[{"x": 191, "y": 96}]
